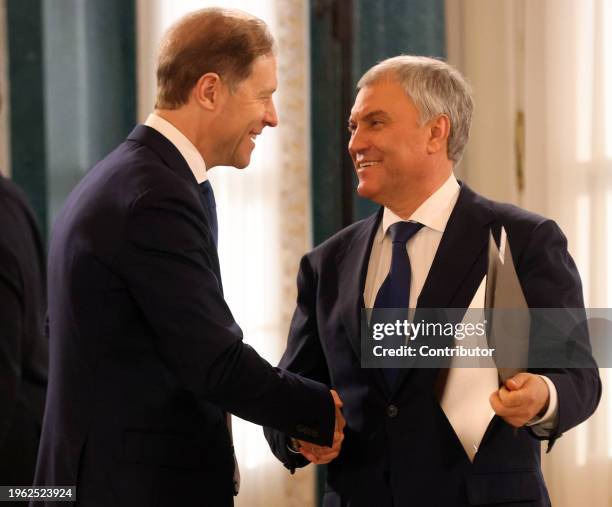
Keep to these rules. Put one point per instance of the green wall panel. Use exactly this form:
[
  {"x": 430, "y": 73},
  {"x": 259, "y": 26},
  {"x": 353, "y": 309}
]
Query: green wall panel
[
  {"x": 326, "y": 89},
  {"x": 72, "y": 91},
  {"x": 90, "y": 87},
  {"x": 27, "y": 111}
]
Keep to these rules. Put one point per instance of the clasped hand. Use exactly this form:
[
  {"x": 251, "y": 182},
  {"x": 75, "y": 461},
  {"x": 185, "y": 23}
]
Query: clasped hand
[
  {"x": 520, "y": 399},
  {"x": 321, "y": 455}
]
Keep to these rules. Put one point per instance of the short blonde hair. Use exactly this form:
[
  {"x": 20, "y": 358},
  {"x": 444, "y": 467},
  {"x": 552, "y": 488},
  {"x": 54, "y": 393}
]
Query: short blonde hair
[{"x": 223, "y": 41}]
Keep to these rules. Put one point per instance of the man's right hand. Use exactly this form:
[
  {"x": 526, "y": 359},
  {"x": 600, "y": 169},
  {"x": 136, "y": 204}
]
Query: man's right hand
[{"x": 321, "y": 455}]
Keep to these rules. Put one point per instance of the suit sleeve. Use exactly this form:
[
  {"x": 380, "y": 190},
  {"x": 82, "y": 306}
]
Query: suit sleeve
[
  {"x": 550, "y": 280},
  {"x": 303, "y": 355},
  {"x": 11, "y": 311},
  {"x": 168, "y": 264}
]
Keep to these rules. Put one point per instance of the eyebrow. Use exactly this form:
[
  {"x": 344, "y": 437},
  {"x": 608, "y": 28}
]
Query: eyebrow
[{"x": 370, "y": 115}]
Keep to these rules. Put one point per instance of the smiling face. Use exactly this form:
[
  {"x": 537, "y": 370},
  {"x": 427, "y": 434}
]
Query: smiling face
[
  {"x": 245, "y": 113},
  {"x": 391, "y": 150}
]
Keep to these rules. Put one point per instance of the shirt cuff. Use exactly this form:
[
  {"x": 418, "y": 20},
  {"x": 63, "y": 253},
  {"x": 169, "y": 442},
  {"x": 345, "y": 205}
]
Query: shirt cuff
[
  {"x": 545, "y": 425},
  {"x": 293, "y": 445}
]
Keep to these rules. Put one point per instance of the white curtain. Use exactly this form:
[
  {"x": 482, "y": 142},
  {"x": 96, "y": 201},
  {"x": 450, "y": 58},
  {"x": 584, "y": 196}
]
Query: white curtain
[
  {"x": 568, "y": 115},
  {"x": 264, "y": 225},
  {"x": 552, "y": 61}
]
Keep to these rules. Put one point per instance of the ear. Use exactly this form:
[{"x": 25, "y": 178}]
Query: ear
[
  {"x": 208, "y": 91},
  {"x": 439, "y": 130}
]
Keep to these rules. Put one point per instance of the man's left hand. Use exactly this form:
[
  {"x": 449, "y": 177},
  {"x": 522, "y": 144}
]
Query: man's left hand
[{"x": 520, "y": 399}]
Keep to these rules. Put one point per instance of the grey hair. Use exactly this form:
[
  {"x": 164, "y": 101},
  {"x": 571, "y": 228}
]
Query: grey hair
[{"x": 435, "y": 88}]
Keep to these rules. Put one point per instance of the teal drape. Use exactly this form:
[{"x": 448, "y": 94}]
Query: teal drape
[{"x": 72, "y": 69}]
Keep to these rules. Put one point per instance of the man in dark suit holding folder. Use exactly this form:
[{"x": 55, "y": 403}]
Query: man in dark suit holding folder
[
  {"x": 426, "y": 248},
  {"x": 146, "y": 358}
]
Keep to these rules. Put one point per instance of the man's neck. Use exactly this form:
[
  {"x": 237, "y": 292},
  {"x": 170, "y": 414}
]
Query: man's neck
[
  {"x": 186, "y": 122},
  {"x": 416, "y": 195}
]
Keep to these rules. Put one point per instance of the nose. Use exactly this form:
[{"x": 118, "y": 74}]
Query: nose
[
  {"x": 271, "y": 118},
  {"x": 357, "y": 142}
]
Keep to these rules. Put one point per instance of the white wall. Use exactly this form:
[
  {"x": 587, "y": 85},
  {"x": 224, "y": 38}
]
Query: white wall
[
  {"x": 551, "y": 59},
  {"x": 480, "y": 39}
]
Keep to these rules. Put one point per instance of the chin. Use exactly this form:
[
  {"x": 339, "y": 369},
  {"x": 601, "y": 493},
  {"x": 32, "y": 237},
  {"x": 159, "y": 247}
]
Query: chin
[
  {"x": 242, "y": 160},
  {"x": 242, "y": 163},
  {"x": 366, "y": 191}
]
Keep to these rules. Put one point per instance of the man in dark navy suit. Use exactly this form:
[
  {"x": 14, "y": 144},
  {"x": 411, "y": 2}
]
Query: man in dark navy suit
[
  {"x": 426, "y": 248},
  {"x": 146, "y": 359},
  {"x": 23, "y": 344}
]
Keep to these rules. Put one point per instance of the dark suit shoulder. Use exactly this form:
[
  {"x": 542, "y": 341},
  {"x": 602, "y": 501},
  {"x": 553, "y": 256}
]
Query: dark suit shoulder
[
  {"x": 345, "y": 237},
  {"x": 134, "y": 169},
  {"x": 520, "y": 224},
  {"x": 13, "y": 204},
  {"x": 94, "y": 218},
  {"x": 121, "y": 180},
  {"x": 504, "y": 212},
  {"x": 512, "y": 214},
  {"x": 12, "y": 222},
  {"x": 20, "y": 242},
  {"x": 8, "y": 190}
]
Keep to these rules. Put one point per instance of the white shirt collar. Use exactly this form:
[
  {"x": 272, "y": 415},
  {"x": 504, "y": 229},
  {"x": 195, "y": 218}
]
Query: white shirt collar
[
  {"x": 185, "y": 147},
  {"x": 433, "y": 213}
]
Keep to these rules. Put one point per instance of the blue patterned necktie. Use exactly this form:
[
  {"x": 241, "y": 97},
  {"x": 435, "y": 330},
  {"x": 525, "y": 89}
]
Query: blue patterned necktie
[
  {"x": 210, "y": 207},
  {"x": 395, "y": 290}
]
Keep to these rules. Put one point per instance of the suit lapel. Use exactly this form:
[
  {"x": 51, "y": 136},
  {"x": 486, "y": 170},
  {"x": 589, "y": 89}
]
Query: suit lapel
[
  {"x": 164, "y": 149},
  {"x": 460, "y": 262},
  {"x": 352, "y": 264},
  {"x": 174, "y": 160}
]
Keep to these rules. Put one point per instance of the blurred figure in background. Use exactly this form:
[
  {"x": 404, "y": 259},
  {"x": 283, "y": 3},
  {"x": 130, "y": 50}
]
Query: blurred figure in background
[{"x": 23, "y": 344}]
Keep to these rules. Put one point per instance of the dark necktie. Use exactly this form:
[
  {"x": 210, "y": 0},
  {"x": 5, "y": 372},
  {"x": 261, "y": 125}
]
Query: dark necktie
[
  {"x": 210, "y": 208},
  {"x": 395, "y": 290}
]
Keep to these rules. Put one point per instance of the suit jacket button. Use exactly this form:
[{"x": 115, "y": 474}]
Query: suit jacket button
[{"x": 392, "y": 411}]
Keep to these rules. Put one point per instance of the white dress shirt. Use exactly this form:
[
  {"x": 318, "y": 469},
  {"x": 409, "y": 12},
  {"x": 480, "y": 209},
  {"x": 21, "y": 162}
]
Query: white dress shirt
[
  {"x": 186, "y": 148},
  {"x": 422, "y": 247}
]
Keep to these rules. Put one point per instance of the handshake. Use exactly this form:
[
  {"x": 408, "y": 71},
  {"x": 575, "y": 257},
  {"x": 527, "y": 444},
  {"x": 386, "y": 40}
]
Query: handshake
[{"x": 320, "y": 455}]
